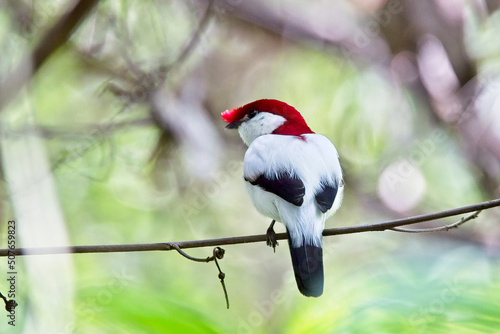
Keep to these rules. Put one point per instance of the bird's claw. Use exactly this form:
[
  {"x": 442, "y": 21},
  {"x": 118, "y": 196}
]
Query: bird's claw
[{"x": 271, "y": 237}]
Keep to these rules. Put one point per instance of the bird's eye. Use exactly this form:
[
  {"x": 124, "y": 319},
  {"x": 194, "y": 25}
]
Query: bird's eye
[{"x": 252, "y": 114}]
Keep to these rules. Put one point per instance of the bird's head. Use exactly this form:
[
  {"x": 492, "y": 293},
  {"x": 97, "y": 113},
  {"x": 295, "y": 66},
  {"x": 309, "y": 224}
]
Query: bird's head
[{"x": 264, "y": 117}]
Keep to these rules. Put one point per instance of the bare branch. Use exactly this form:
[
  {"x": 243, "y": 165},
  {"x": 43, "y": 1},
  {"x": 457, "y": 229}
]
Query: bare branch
[
  {"x": 448, "y": 227},
  {"x": 68, "y": 132},
  {"x": 218, "y": 253},
  {"x": 61, "y": 31},
  {"x": 300, "y": 30},
  {"x": 413, "y": 220},
  {"x": 195, "y": 37},
  {"x": 192, "y": 258},
  {"x": 249, "y": 238},
  {"x": 49, "y": 43}
]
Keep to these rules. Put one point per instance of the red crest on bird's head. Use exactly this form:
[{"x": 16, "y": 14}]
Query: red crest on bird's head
[{"x": 294, "y": 125}]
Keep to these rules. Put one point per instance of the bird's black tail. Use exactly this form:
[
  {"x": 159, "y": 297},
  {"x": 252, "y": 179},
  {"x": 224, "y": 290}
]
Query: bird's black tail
[{"x": 307, "y": 261}]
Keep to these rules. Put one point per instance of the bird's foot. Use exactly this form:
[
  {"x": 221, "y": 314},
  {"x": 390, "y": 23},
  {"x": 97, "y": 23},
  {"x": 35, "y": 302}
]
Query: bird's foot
[{"x": 271, "y": 236}]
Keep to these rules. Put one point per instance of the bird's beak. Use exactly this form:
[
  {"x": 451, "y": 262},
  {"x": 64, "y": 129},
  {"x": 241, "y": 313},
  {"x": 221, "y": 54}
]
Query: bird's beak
[{"x": 234, "y": 125}]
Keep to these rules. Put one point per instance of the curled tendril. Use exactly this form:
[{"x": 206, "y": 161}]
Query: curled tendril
[{"x": 217, "y": 254}]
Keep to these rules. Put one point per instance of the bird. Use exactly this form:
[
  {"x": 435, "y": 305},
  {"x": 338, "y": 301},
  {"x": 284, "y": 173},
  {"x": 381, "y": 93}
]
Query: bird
[{"x": 292, "y": 176}]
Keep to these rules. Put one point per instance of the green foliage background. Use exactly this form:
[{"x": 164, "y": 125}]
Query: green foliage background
[{"x": 111, "y": 192}]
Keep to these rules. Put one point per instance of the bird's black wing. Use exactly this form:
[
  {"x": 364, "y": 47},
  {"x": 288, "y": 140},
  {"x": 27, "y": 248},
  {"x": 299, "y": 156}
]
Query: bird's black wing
[
  {"x": 285, "y": 185},
  {"x": 326, "y": 195}
]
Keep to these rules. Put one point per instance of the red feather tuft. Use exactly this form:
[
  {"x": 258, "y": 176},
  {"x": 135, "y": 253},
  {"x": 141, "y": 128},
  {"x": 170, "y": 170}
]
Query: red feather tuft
[
  {"x": 232, "y": 115},
  {"x": 295, "y": 124}
]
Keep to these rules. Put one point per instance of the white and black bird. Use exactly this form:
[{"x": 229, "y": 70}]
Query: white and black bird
[{"x": 293, "y": 176}]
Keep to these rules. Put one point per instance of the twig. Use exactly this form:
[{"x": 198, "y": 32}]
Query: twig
[
  {"x": 194, "y": 37},
  {"x": 218, "y": 253},
  {"x": 192, "y": 258},
  {"x": 448, "y": 227},
  {"x": 413, "y": 220},
  {"x": 49, "y": 43},
  {"x": 299, "y": 30},
  {"x": 64, "y": 132},
  {"x": 247, "y": 239}
]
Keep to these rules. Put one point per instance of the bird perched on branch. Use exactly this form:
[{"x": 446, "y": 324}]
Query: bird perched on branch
[{"x": 293, "y": 176}]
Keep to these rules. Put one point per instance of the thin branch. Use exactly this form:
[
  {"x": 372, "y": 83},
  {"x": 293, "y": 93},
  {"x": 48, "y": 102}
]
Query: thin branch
[
  {"x": 413, "y": 220},
  {"x": 53, "y": 39},
  {"x": 217, "y": 253},
  {"x": 61, "y": 31},
  {"x": 275, "y": 20},
  {"x": 195, "y": 37},
  {"x": 247, "y": 239},
  {"x": 192, "y": 258},
  {"x": 448, "y": 227},
  {"x": 77, "y": 133}
]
